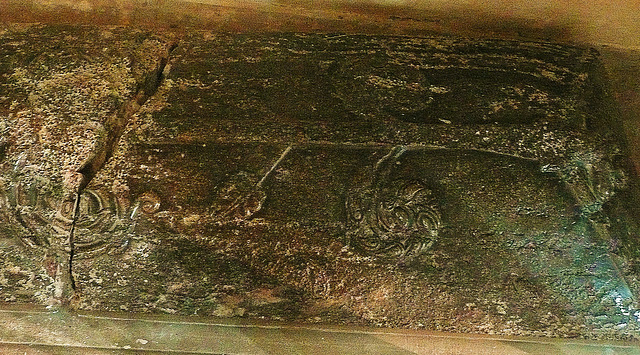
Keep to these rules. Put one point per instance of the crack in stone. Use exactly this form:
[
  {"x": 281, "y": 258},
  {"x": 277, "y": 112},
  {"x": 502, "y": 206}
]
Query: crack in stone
[
  {"x": 74, "y": 218},
  {"x": 114, "y": 126}
]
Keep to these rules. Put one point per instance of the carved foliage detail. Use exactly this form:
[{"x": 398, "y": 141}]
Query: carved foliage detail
[
  {"x": 399, "y": 219},
  {"x": 394, "y": 217}
]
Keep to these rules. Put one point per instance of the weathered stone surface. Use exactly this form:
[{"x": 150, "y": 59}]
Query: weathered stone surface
[
  {"x": 65, "y": 96},
  {"x": 411, "y": 182}
]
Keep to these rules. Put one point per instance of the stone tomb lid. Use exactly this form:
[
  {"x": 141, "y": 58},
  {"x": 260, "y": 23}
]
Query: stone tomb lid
[{"x": 443, "y": 182}]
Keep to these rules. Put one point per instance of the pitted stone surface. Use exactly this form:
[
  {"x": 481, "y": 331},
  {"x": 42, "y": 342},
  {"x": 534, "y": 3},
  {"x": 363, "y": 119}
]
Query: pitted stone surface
[
  {"x": 63, "y": 90},
  {"x": 446, "y": 183}
]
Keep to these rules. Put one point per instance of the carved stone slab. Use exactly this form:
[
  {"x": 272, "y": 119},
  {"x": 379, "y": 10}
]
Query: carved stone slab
[{"x": 447, "y": 183}]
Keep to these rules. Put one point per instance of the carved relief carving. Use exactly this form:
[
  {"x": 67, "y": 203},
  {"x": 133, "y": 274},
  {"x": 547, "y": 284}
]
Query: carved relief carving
[
  {"x": 399, "y": 219},
  {"x": 100, "y": 225},
  {"x": 239, "y": 200},
  {"x": 149, "y": 202},
  {"x": 396, "y": 217}
]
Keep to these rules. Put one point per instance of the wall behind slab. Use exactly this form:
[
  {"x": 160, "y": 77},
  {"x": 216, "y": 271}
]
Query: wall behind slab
[{"x": 615, "y": 22}]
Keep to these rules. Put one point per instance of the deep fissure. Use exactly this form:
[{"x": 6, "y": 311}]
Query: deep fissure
[{"x": 114, "y": 126}]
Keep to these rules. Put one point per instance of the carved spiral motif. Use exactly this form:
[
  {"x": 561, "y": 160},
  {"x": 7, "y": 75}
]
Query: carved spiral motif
[
  {"x": 150, "y": 202},
  {"x": 399, "y": 219},
  {"x": 47, "y": 215},
  {"x": 101, "y": 225},
  {"x": 44, "y": 212}
]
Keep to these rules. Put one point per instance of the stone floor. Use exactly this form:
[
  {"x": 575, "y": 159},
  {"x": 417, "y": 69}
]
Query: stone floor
[{"x": 38, "y": 330}]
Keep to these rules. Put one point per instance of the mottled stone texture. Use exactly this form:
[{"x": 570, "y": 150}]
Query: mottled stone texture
[
  {"x": 65, "y": 96},
  {"x": 446, "y": 183}
]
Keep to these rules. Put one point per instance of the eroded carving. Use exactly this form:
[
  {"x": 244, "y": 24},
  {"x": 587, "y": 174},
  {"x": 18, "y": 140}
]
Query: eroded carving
[
  {"x": 101, "y": 225},
  {"x": 47, "y": 214},
  {"x": 149, "y": 202},
  {"x": 241, "y": 198}
]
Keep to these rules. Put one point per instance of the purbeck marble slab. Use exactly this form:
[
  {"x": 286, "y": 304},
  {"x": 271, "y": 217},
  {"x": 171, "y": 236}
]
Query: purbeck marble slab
[{"x": 447, "y": 183}]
